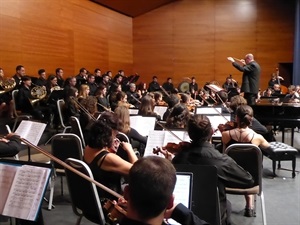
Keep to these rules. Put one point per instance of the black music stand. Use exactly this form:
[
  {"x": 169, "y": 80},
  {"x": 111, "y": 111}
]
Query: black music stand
[{"x": 56, "y": 95}]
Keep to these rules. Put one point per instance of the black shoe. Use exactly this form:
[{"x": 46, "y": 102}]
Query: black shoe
[{"x": 249, "y": 212}]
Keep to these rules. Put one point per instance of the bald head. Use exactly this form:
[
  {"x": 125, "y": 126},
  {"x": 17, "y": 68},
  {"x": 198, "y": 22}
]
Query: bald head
[{"x": 249, "y": 58}]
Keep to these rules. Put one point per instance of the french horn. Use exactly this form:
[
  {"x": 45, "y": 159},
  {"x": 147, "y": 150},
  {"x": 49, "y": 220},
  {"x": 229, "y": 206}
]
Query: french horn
[
  {"x": 37, "y": 93},
  {"x": 7, "y": 85}
]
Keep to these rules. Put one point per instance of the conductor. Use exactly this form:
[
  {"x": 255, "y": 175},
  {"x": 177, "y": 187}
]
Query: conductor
[{"x": 251, "y": 76}]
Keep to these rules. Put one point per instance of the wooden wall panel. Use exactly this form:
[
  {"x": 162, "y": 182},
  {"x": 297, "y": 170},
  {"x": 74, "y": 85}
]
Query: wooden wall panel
[
  {"x": 64, "y": 33},
  {"x": 199, "y": 35}
]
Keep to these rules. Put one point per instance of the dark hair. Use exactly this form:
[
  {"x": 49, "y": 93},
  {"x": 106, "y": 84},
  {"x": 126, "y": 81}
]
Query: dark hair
[
  {"x": 41, "y": 71},
  {"x": 244, "y": 115},
  {"x": 222, "y": 96},
  {"x": 100, "y": 135},
  {"x": 178, "y": 117},
  {"x": 96, "y": 70},
  {"x": 51, "y": 77},
  {"x": 120, "y": 95},
  {"x": 57, "y": 70},
  {"x": 184, "y": 98},
  {"x": 26, "y": 78},
  {"x": 82, "y": 70},
  {"x": 172, "y": 100},
  {"x": 19, "y": 67},
  {"x": 199, "y": 128},
  {"x": 154, "y": 77},
  {"x": 151, "y": 180},
  {"x": 99, "y": 89}
]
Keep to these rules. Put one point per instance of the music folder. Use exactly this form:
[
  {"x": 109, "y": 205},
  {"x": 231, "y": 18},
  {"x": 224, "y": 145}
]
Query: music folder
[{"x": 22, "y": 187}]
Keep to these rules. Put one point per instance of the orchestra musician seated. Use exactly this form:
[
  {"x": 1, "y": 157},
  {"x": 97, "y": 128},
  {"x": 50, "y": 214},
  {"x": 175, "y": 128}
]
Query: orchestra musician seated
[
  {"x": 121, "y": 99},
  {"x": 103, "y": 103},
  {"x": 142, "y": 88},
  {"x": 42, "y": 80},
  {"x": 100, "y": 154},
  {"x": 149, "y": 195},
  {"x": 193, "y": 88},
  {"x": 293, "y": 96},
  {"x": 133, "y": 97},
  {"x": 154, "y": 85},
  {"x": 244, "y": 134},
  {"x": 112, "y": 95},
  {"x": 172, "y": 100},
  {"x": 84, "y": 91},
  {"x": 71, "y": 108},
  {"x": 136, "y": 139},
  {"x": 276, "y": 90},
  {"x": 201, "y": 152},
  {"x": 147, "y": 107},
  {"x": 92, "y": 84},
  {"x": 168, "y": 86},
  {"x": 178, "y": 117},
  {"x": 158, "y": 98}
]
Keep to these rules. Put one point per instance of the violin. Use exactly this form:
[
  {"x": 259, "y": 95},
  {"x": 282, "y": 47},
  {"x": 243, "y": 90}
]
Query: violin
[
  {"x": 114, "y": 212},
  {"x": 227, "y": 126},
  {"x": 171, "y": 148}
]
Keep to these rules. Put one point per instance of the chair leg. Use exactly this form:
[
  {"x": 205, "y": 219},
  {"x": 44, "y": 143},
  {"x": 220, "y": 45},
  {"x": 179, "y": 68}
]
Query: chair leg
[
  {"x": 79, "y": 220},
  {"x": 279, "y": 165},
  {"x": 274, "y": 167},
  {"x": 294, "y": 166},
  {"x": 51, "y": 193},
  {"x": 263, "y": 209},
  {"x": 61, "y": 186},
  {"x": 15, "y": 124}
]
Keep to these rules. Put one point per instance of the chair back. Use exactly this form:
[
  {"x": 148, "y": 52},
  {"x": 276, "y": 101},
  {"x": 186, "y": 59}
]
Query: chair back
[
  {"x": 84, "y": 195},
  {"x": 205, "y": 195},
  {"x": 76, "y": 129},
  {"x": 14, "y": 97},
  {"x": 60, "y": 108},
  {"x": 66, "y": 145},
  {"x": 249, "y": 157}
]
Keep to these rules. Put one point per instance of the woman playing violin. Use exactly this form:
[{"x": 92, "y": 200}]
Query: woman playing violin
[
  {"x": 100, "y": 154},
  {"x": 178, "y": 117}
]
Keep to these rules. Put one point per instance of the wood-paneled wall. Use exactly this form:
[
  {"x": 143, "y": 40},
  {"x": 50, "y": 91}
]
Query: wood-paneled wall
[
  {"x": 63, "y": 33},
  {"x": 194, "y": 37}
]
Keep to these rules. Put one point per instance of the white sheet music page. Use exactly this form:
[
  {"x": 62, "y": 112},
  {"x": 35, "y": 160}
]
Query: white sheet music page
[
  {"x": 175, "y": 137},
  {"x": 7, "y": 174},
  {"x": 142, "y": 124},
  {"x": 26, "y": 192},
  {"x": 155, "y": 139},
  {"x": 31, "y": 131},
  {"x": 160, "y": 110}
]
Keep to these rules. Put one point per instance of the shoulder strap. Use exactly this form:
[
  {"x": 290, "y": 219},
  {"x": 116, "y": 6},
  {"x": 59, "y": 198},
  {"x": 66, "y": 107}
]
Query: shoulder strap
[{"x": 101, "y": 156}]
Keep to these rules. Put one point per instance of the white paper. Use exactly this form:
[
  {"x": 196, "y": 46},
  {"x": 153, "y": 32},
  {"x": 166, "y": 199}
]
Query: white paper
[{"x": 31, "y": 131}]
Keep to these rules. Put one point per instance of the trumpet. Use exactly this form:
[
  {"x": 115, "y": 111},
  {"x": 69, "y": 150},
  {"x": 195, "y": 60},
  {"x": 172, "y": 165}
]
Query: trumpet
[{"x": 7, "y": 85}]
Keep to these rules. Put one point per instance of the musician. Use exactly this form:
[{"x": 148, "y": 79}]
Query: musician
[
  {"x": 70, "y": 82},
  {"x": 133, "y": 96},
  {"x": 251, "y": 76},
  {"x": 121, "y": 98},
  {"x": 229, "y": 84},
  {"x": 276, "y": 90},
  {"x": 275, "y": 79},
  {"x": 10, "y": 145},
  {"x": 71, "y": 108},
  {"x": 60, "y": 77},
  {"x": 172, "y": 100},
  {"x": 92, "y": 84},
  {"x": 168, "y": 86},
  {"x": 42, "y": 80},
  {"x": 84, "y": 91},
  {"x": 202, "y": 152},
  {"x": 150, "y": 204},
  {"x": 136, "y": 139},
  {"x": 293, "y": 96},
  {"x": 23, "y": 100},
  {"x": 178, "y": 117},
  {"x": 109, "y": 73},
  {"x": 51, "y": 84},
  {"x": 102, "y": 99},
  {"x": 81, "y": 78},
  {"x": 105, "y": 81},
  {"x": 147, "y": 107},
  {"x": 158, "y": 98},
  {"x": 193, "y": 88},
  {"x": 98, "y": 76},
  {"x": 243, "y": 134},
  {"x": 118, "y": 79},
  {"x": 113, "y": 91},
  {"x": 142, "y": 87},
  {"x": 107, "y": 167},
  {"x": 20, "y": 72},
  {"x": 154, "y": 85},
  {"x": 6, "y": 103}
]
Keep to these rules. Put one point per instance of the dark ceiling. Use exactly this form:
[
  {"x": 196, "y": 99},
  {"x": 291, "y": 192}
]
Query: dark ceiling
[{"x": 133, "y": 8}]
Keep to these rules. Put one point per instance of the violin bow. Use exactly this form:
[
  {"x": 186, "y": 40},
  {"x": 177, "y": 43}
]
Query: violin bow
[
  {"x": 65, "y": 165},
  {"x": 171, "y": 132}
]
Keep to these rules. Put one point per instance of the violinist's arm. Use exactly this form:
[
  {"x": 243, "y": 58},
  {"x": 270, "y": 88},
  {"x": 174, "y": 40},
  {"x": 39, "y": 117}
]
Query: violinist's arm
[
  {"x": 116, "y": 164},
  {"x": 130, "y": 152}
]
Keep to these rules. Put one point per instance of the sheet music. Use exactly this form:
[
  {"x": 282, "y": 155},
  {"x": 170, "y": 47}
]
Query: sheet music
[
  {"x": 208, "y": 110},
  {"x": 142, "y": 124},
  {"x": 182, "y": 192},
  {"x": 31, "y": 131},
  {"x": 160, "y": 110},
  {"x": 133, "y": 111},
  {"x": 155, "y": 139},
  {"x": 169, "y": 137},
  {"x": 7, "y": 174},
  {"x": 25, "y": 195}
]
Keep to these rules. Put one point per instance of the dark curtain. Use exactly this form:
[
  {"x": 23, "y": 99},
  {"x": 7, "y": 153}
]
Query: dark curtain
[{"x": 296, "y": 69}]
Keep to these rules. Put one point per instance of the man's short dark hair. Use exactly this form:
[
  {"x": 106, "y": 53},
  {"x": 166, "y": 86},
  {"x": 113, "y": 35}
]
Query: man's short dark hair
[
  {"x": 199, "y": 128},
  {"x": 19, "y": 67},
  {"x": 96, "y": 70},
  {"x": 26, "y": 78},
  {"x": 82, "y": 70},
  {"x": 57, "y": 70},
  {"x": 41, "y": 71},
  {"x": 154, "y": 77},
  {"x": 151, "y": 184}
]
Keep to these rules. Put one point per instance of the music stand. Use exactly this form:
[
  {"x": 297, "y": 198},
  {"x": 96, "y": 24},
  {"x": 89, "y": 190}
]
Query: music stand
[{"x": 55, "y": 95}]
